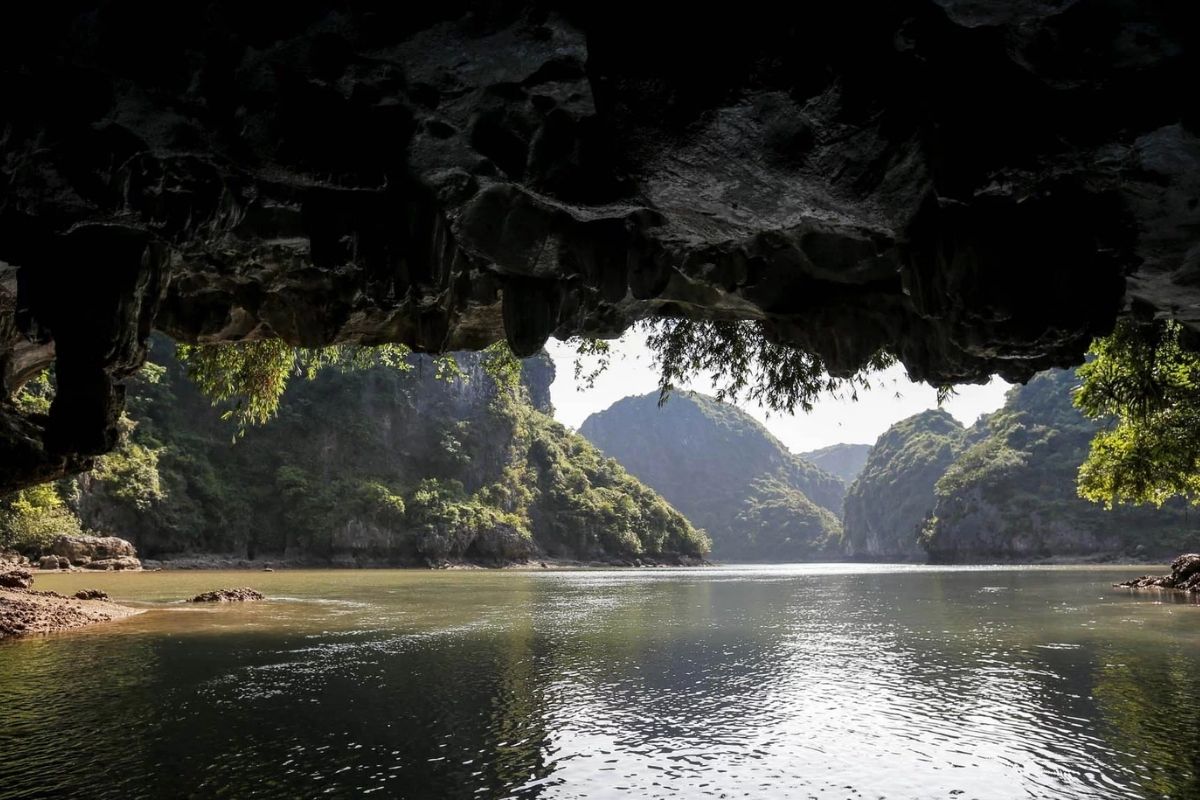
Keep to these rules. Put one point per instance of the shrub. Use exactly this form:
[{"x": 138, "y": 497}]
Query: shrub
[{"x": 33, "y": 517}]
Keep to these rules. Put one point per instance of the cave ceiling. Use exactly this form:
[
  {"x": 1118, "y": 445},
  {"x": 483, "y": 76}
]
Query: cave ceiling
[{"x": 978, "y": 187}]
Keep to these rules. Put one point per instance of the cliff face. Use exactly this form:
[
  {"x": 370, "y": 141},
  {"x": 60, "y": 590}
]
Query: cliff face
[
  {"x": 1010, "y": 495},
  {"x": 726, "y": 474},
  {"x": 845, "y": 461},
  {"x": 1003, "y": 490},
  {"x": 888, "y": 503},
  {"x": 375, "y": 466},
  {"x": 966, "y": 185}
]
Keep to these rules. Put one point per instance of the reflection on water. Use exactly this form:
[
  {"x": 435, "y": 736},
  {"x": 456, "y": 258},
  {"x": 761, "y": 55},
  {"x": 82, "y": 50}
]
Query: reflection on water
[{"x": 809, "y": 681}]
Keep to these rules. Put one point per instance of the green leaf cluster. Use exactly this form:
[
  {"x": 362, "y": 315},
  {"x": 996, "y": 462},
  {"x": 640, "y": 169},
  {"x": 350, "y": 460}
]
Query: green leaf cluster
[
  {"x": 1145, "y": 382},
  {"x": 748, "y": 362},
  {"x": 249, "y": 378},
  {"x": 32, "y": 518},
  {"x": 35, "y": 395},
  {"x": 368, "y": 460}
]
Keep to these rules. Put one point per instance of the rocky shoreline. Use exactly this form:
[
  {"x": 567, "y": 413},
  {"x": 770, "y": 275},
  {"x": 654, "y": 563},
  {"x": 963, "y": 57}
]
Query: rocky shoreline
[
  {"x": 24, "y": 610},
  {"x": 221, "y": 562},
  {"x": 1184, "y": 577}
]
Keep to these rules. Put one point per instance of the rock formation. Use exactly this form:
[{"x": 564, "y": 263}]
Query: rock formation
[
  {"x": 888, "y": 503},
  {"x": 91, "y": 552},
  {"x": 24, "y": 610},
  {"x": 1184, "y": 577},
  {"x": 1002, "y": 490},
  {"x": 15, "y": 579},
  {"x": 412, "y": 464},
  {"x": 978, "y": 187},
  {"x": 1010, "y": 495},
  {"x": 238, "y": 595},
  {"x": 726, "y": 473}
]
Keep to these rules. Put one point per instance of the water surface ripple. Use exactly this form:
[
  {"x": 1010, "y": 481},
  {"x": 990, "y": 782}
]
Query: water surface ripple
[{"x": 806, "y": 681}]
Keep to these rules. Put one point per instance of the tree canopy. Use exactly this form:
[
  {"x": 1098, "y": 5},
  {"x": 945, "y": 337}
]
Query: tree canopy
[
  {"x": 1145, "y": 379},
  {"x": 746, "y": 362},
  {"x": 249, "y": 378}
]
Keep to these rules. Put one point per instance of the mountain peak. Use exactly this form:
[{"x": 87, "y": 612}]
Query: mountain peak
[{"x": 724, "y": 470}]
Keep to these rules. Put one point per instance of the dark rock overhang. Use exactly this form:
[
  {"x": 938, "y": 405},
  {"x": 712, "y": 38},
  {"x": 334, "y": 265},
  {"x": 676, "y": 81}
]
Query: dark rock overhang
[{"x": 978, "y": 187}]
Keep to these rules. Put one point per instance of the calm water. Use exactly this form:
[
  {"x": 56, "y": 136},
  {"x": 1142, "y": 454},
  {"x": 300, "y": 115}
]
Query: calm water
[{"x": 821, "y": 681}]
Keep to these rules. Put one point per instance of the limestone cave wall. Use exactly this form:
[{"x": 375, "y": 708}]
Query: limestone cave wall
[{"x": 978, "y": 187}]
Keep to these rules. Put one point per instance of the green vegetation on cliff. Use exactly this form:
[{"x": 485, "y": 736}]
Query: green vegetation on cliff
[
  {"x": 421, "y": 461},
  {"x": 726, "y": 473},
  {"x": 1002, "y": 490},
  {"x": 887, "y": 505},
  {"x": 1011, "y": 494},
  {"x": 31, "y": 518}
]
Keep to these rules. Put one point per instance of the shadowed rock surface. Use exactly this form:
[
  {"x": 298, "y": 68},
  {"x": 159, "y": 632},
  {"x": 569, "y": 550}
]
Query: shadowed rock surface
[{"x": 977, "y": 187}]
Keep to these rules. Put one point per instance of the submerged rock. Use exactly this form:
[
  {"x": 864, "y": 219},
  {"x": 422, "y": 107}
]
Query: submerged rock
[
  {"x": 16, "y": 579},
  {"x": 91, "y": 594},
  {"x": 237, "y": 595},
  {"x": 1184, "y": 577}
]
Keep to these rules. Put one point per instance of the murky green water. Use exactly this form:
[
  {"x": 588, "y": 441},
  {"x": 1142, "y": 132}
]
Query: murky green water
[{"x": 819, "y": 681}]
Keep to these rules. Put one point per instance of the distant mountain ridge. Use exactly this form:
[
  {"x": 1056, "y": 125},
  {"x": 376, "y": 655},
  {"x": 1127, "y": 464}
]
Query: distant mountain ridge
[
  {"x": 845, "y": 461},
  {"x": 726, "y": 473}
]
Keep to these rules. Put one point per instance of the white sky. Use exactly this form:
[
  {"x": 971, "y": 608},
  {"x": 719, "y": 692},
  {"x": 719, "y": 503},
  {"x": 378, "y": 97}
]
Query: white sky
[{"x": 831, "y": 421}]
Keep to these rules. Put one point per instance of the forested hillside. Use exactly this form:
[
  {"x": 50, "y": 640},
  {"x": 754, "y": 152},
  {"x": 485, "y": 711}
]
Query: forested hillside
[
  {"x": 1011, "y": 494},
  {"x": 727, "y": 474},
  {"x": 1002, "y": 490},
  {"x": 416, "y": 462},
  {"x": 887, "y": 505}
]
